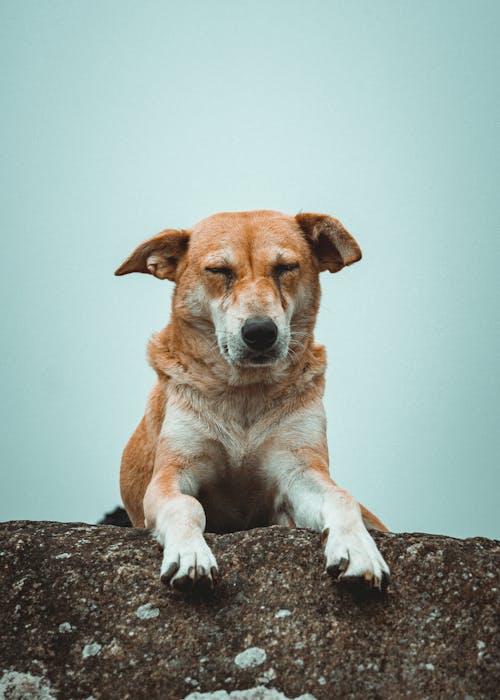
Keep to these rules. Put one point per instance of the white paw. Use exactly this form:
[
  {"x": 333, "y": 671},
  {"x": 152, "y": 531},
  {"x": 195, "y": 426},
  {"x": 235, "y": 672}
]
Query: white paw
[
  {"x": 353, "y": 554},
  {"x": 189, "y": 564}
]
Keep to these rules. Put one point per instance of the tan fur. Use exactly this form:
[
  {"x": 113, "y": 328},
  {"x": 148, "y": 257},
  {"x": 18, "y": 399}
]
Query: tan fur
[{"x": 216, "y": 428}]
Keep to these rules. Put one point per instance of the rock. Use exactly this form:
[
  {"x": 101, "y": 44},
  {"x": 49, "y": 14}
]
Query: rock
[
  {"x": 282, "y": 613},
  {"x": 257, "y": 693},
  {"x": 147, "y": 612},
  {"x": 91, "y": 650},
  {"x": 24, "y": 686},
  {"x": 99, "y": 624},
  {"x": 255, "y": 656}
]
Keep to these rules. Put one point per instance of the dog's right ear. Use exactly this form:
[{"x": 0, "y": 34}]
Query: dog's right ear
[{"x": 158, "y": 256}]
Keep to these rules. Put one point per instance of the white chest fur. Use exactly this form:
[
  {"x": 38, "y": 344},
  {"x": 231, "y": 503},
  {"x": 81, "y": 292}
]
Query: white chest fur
[{"x": 240, "y": 453}]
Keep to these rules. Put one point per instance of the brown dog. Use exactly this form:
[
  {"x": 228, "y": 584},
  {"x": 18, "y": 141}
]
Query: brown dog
[{"x": 234, "y": 434}]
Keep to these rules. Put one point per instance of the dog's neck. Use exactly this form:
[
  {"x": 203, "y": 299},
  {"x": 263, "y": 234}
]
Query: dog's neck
[{"x": 190, "y": 357}]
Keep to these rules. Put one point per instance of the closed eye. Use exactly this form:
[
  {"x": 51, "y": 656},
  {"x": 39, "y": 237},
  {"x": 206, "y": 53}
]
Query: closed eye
[
  {"x": 226, "y": 271},
  {"x": 289, "y": 267}
]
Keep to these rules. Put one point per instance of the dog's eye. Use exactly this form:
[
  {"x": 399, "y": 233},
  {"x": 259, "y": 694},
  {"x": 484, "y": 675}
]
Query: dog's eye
[
  {"x": 281, "y": 269},
  {"x": 226, "y": 271}
]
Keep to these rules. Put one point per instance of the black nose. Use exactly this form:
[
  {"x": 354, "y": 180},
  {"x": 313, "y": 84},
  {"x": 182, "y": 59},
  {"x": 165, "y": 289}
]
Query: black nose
[{"x": 259, "y": 333}]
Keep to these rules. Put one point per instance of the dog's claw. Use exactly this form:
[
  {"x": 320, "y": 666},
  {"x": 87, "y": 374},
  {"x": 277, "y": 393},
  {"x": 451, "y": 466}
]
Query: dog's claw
[
  {"x": 204, "y": 581},
  {"x": 197, "y": 579},
  {"x": 384, "y": 582},
  {"x": 336, "y": 570},
  {"x": 370, "y": 579},
  {"x": 367, "y": 586},
  {"x": 381, "y": 583},
  {"x": 166, "y": 576},
  {"x": 333, "y": 571}
]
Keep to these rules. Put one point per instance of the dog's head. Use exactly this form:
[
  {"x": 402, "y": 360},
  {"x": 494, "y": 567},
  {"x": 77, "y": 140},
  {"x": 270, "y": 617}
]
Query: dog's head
[{"x": 249, "y": 277}]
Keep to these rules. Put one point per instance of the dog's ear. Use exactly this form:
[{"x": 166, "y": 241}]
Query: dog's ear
[
  {"x": 331, "y": 244},
  {"x": 158, "y": 256}
]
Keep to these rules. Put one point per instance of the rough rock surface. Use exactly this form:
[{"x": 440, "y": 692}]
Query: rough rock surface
[{"x": 84, "y": 615}]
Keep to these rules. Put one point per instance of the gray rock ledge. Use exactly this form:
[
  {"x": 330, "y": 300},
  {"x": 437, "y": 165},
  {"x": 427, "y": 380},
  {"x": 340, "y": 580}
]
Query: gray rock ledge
[{"x": 70, "y": 626}]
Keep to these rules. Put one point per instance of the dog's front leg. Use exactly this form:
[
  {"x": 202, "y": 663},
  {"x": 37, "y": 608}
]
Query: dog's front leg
[
  {"x": 314, "y": 501},
  {"x": 178, "y": 520}
]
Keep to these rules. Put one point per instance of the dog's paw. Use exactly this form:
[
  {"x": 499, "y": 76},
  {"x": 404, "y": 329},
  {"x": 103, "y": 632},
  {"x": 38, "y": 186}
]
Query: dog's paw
[
  {"x": 189, "y": 566},
  {"x": 353, "y": 556}
]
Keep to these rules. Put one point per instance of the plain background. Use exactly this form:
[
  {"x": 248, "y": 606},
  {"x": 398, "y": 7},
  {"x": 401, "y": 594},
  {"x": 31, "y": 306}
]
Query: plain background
[{"x": 122, "y": 118}]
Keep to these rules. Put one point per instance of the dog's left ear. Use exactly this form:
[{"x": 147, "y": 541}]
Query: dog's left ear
[
  {"x": 331, "y": 244},
  {"x": 158, "y": 256}
]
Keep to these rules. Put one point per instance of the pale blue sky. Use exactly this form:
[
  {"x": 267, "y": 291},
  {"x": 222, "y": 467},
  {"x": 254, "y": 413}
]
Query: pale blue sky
[{"x": 123, "y": 118}]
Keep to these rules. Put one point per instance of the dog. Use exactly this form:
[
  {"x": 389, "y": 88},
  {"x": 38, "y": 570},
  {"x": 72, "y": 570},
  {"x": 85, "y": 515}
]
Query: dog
[{"x": 234, "y": 434}]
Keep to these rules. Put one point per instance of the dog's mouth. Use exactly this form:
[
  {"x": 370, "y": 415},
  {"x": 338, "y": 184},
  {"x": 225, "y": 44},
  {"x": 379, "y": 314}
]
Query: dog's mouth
[
  {"x": 259, "y": 360},
  {"x": 249, "y": 358}
]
